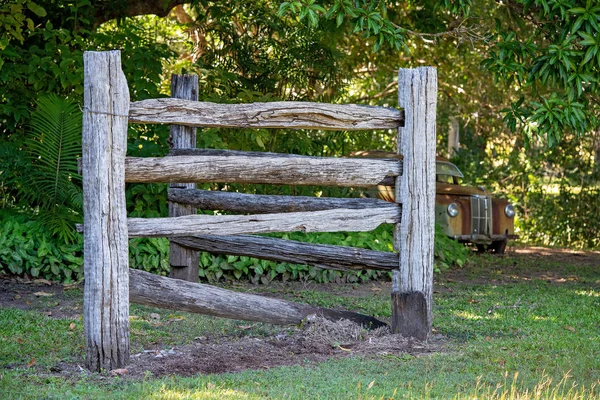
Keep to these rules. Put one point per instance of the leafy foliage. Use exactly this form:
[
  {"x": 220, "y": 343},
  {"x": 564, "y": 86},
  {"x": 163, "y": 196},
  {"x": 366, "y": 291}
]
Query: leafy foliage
[
  {"x": 52, "y": 185},
  {"x": 554, "y": 189},
  {"x": 26, "y": 247},
  {"x": 13, "y": 21},
  {"x": 449, "y": 253},
  {"x": 551, "y": 53}
]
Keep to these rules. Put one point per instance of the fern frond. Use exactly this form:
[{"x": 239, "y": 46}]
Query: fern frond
[
  {"x": 53, "y": 184},
  {"x": 60, "y": 224}
]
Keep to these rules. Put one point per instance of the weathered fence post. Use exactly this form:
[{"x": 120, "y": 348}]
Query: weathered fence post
[
  {"x": 412, "y": 284},
  {"x": 184, "y": 261},
  {"x": 106, "y": 264}
]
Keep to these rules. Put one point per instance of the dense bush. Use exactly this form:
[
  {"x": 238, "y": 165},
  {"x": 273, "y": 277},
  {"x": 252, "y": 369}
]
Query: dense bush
[
  {"x": 26, "y": 248},
  {"x": 556, "y": 219}
]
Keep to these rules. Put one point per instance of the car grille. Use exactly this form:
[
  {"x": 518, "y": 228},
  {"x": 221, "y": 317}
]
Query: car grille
[{"x": 481, "y": 215}]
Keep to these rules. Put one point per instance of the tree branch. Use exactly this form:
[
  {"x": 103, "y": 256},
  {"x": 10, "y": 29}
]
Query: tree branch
[
  {"x": 106, "y": 10},
  {"x": 458, "y": 30}
]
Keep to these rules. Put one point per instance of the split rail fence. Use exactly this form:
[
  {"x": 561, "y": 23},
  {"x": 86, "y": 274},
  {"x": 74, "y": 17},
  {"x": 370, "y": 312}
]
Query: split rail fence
[{"x": 110, "y": 284}]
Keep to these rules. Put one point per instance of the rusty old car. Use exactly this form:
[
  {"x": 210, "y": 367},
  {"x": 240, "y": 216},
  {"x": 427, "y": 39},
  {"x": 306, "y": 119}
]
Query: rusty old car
[{"x": 465, "y": 213}]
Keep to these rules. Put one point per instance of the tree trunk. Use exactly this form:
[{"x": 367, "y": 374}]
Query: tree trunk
[{"x": 453, "y": 137}]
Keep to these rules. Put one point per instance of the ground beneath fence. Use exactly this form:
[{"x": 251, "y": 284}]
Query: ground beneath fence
[{"x": 315, "y": 341}]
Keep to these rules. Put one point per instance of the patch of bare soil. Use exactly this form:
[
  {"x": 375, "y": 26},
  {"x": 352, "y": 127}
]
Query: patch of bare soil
[
  {"x": 318, "y": 340},
  {"x": 566, "y": 256},
  {"x": 50, "y": 298},
  {"x": 553, "y": 265}
]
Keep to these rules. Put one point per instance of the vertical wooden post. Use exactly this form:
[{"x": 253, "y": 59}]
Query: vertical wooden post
[
  {"x": 106, "y": 262},
  {"x": 184, "y": 261},
  {"x": 412, "y": 284}
]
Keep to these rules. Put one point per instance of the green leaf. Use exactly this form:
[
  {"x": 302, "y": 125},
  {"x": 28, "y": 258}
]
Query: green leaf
[
  {"x": 36, "y": 9},
  {"x": 578, "y": 10},
  {"x": 589, "y": 54}
]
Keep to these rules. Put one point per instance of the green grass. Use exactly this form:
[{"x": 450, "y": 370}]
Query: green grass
[{"x": 520, "y": 337}]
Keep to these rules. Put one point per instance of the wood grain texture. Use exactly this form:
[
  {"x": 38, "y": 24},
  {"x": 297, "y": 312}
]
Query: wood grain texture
[
  {"x": 105, "y": 255},
  {"x": 157, "y": 291},
  {"x": 296, "y": 170},
  {"x": 291, "y": 251},
  {"x": 339, "y": 220},
  {"x": 288, "y": 115},
  {"x": 262, "y": 204},
  {"x": 412, "y": 310},
  {"x": 183, "y": 261},
  {"x": 414, "y": 236}
]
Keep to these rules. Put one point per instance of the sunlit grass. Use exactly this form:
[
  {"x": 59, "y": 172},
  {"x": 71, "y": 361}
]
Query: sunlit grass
[
  {"x": 589, "y": 293},
  {"x": 546, "y": 388},
  {"x": 468, "y": 315},
  {"x": 208, "y": 392}
]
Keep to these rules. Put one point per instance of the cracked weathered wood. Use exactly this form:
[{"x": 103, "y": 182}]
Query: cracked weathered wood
[
  {"x": 183, "y": 261},
  {"x": 339, "y": 220},
  {"x": 286, "y": 115},
  {"x": 105, "y": 255},
  {"x": 271, "y": 169},
  {"x": 412, "y": 284},
  {"x": 262, "y": 204},
  {"x": 292, "y": 251},
  {"x": 158, "y": 291}
]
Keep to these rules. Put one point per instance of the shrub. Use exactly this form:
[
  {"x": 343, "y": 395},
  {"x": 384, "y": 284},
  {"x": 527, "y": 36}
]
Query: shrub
[{"x": 26, "y": 247}]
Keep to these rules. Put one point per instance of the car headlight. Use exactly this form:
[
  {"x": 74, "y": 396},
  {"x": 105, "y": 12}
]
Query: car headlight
[
  {"x": 453, "y": 209},
  {"x": 509, "y": 210}
]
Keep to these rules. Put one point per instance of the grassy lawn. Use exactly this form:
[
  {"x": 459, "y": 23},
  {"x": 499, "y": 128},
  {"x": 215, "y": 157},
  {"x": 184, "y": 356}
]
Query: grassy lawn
[{"x": 516, "y": 327}]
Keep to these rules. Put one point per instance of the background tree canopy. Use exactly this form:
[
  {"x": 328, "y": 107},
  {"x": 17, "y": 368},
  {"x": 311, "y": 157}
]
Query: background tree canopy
[{"x": 518, "y": 79}]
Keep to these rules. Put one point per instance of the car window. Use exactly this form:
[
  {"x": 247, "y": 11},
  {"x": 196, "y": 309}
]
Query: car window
[
  {"x": 447, "y": 168},
  {"x": 446, "y": 172}
]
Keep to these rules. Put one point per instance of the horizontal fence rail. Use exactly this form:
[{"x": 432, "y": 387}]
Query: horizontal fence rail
[
  {"x": 267, "y": 204},
  {"x": 288, "y": 115},
  {"x": 340, "y": 220},
  {"x": 292, "y": 251},
  {"x": 271, "y": 169}
]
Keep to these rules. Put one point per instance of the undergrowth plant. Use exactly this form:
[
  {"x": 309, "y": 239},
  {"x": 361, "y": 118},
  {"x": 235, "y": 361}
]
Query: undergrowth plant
[
  {"x": 51, "y": 186},
  {"x": 26, "y": 247}
]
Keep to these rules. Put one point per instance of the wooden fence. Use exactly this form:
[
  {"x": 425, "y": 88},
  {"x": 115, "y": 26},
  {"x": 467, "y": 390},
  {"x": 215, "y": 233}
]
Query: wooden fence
[{"x": 110, "y": 284}]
